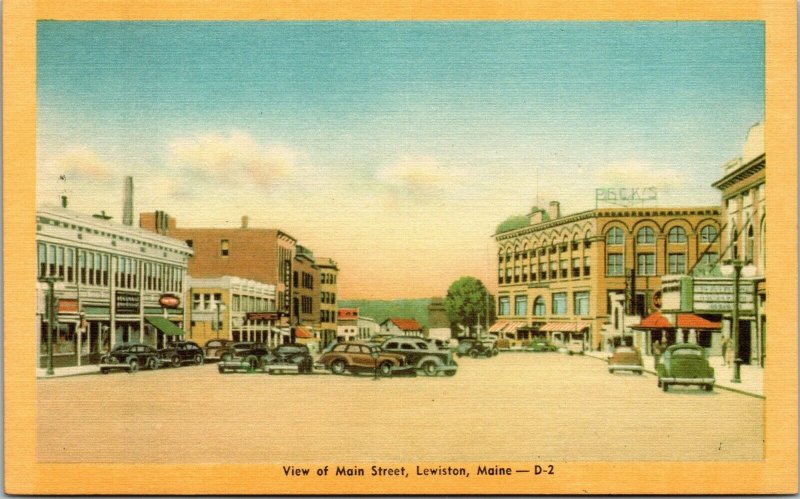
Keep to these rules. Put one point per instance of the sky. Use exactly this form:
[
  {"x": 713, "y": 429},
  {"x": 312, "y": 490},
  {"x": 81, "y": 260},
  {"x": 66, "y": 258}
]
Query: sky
[{"x": 395, "y": 148}]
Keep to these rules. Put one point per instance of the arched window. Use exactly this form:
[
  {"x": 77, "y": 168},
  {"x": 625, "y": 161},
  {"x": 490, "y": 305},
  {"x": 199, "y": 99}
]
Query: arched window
[
  {"x": 676, "y": 235},
  {"x": 646, "y": 235},
  {"x": 539, "y": 306},
  {"x": 615, "y": 237},
  {"x": 708, "y": 234}
]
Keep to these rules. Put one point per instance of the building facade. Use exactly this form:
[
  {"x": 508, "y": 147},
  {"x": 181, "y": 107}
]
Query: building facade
[
  {"x": 235, "y": 309},
  {"x": 111, "y": 279},
  {"x": 367, "y": 327},
  {"x": 305, "y": 290},
  {"x": 438, "y": 322},
  {"x": 262, "y": 255},
  {"x": 328, "y": 275},
  {"x": 594, "y": 274},
  {"x": 347, "y": 324},
  {"x": 401, "y": 327}
]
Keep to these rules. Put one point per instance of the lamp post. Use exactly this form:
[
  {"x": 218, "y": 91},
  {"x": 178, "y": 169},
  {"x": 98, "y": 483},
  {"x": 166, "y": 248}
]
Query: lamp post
[
  {"x": 735, "y": 267},
  {"x": 375, "y": 353},
  {"x": 51, "y": 317}
]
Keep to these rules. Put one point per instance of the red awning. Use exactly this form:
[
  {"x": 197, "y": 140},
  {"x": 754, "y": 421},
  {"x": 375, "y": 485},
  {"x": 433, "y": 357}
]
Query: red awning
[
  {"x": 301, "y": 332},
  {"x": 654, "y": 321},
  {"x": 498, "y": 326},
  {"x": 691, "y": 321},
  {"x": 565, "y": 326}
]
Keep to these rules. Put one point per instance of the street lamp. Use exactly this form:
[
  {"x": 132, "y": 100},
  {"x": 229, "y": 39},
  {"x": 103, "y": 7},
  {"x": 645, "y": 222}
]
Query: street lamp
[
  {"x": 51, "y": 317},
  {"x": 735, "y": 267},
  {"x": 375, "y": 353}
]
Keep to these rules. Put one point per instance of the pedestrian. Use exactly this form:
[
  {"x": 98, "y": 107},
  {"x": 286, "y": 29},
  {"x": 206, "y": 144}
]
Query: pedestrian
[
  {"x": 729, "y": 353},
  {"x": 657, "y": 351},
  {"x": 725, "y": 351}
]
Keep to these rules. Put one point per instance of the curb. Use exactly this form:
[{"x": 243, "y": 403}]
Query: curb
[{"x": 722, "y": 387}]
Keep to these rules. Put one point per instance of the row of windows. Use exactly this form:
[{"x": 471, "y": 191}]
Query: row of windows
[
  {"x": 306, "y": 281},
  {"x": 327, "y": 315},
  {"x": 306, "y": 304},
  {"x": 94, "y": 268},
  {"x": 543, "y": 251},
  {"x": 329, "y": 298},
  {"x": 546, "y": 272},
  {"x": 326, "y": 278},
  {"x": 646, "y": 263},
  {"x": 646, "y": 235},
  {"x": 580, "y": 304}
]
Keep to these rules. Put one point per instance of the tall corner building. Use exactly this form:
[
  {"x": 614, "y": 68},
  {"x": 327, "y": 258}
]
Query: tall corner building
[{"x": 589, "y": 275}]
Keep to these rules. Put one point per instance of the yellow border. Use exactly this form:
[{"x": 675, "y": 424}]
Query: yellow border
[{"x": 23, "y": 475}]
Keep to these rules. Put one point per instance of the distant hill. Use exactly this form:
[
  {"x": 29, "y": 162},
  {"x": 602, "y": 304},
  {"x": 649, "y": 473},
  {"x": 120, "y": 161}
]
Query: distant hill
[{"x": 380, "y": 310}]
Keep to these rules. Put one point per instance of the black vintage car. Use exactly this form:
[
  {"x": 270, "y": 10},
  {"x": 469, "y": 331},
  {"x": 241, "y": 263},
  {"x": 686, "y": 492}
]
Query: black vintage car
[
  {"x": 290, "y": 354},
  {"x": 130, "y": 356},
  {"x": 422, "y": 355},
  {"x": 250, "y": 352},
  {"x": 477, "y": 348},
  {"x": 178, "y": 353}
]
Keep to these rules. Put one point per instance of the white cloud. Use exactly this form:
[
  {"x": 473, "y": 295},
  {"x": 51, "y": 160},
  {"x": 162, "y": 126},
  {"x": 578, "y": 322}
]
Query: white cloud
[
  {"x": 80, "y": 163},
  {"x": 232, "y": 158},
  {"x": 420, "y": 174}
]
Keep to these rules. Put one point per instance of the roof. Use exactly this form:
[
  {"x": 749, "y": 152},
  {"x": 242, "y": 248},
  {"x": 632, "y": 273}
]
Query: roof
[
  {"x": 347, "y": 314},
  {"x": 405, "y": 324},
  {"x": 684, "y": 321},
  {"x": 654, "y": 321}
]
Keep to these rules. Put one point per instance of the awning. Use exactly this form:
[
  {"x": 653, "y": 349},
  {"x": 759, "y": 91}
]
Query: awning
[
  {"x": 90, "y": 310},
  {"x": 691, "y": 321},
  {"x": 165, "y": 326},
  {"x": 301, "y": 332},
  {"x": 654, "y": 321},
  {"x": 565, "y": 327},
  {"x": 498, "y": 326}
]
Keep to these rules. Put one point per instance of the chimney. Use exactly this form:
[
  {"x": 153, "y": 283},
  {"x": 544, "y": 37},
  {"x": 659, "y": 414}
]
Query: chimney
[
  {"x": 63, "y": 201},
  {"x": 127, "y": 202},
  {"x": 245, "y": 220},
  {"x": 555, "y": 210}
]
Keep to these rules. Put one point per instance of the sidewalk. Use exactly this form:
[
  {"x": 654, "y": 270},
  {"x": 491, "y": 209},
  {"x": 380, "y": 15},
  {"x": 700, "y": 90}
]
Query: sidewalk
[
  {"x": 752, "y": 376},
  {"x": 60, "y": 372}
]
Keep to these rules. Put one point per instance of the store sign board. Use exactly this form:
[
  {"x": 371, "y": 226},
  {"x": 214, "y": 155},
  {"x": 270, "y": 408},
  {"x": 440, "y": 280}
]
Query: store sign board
[
  {"x": 287, "y": 278},
  {"x": 127, "y": 302},
  {"x": 169, "y": 301},
  {"x": 625, "y": 196},
  {"x": 718, "y": 296}
]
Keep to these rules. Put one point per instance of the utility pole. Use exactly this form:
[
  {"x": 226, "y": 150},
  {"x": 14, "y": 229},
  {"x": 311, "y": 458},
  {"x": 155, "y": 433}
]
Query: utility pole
[{"x": 51, "y": 317}]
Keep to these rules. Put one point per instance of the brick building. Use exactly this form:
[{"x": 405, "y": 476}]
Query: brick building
[
  {"x": 328, "y": 275},
  {"x": 305, "y": 289}
]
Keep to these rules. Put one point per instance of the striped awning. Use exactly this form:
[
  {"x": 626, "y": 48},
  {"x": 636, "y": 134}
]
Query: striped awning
[
  {"x": 575, "y": 327},
  {"x": 301, "y": 332},
  {"x": 505, "y": 327}
]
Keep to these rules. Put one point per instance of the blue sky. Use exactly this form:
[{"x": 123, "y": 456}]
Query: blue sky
[{"x": 376, "y": 143}]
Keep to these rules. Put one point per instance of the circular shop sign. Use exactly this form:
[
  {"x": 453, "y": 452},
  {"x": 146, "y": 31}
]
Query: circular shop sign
[{"x": 169, "y": 301}]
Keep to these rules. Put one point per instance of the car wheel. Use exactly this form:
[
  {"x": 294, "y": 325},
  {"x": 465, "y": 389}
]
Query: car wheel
[
  {"x": 659, "y": 383},
  {"x": 610, "y": 370},
  {"x": 338, "y": 366},
  {"x": 451, "y": 372},
  {"x": 176, "y": 361},
  {"x": 665, "y": 387},
  {"x": 134, "y": 365},
  {"x": 198, "y": 360},
  {"x": 709, "y": 388},
  {"x": 429, "y": 367},
  {"x": 252, "y": 361},
  {"x": 221, "y": 369},
  {"x": 473, "y": 354},
  {"x": 152, "y": 363},
  {"x": 104, "y": 370},
  {"x": 385, "y": 368},
  {"x": 495, "y": 352}
]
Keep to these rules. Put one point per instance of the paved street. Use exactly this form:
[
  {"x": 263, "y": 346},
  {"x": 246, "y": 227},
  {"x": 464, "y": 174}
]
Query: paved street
[{"x": 514, "y": 407}]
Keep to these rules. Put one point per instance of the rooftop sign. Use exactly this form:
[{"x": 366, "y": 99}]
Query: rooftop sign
[{"x": 625, "y": 196}]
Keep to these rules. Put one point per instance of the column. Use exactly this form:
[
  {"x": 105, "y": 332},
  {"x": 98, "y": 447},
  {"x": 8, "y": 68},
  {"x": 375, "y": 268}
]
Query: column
[{"x": 693, "y": 336}]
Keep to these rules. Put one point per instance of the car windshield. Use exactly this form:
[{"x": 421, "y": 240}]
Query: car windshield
[{"x": 687, "y": 352}]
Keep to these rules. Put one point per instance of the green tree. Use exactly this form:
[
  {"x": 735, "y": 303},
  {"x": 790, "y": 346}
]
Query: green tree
[{"x": 468, "y": 301}]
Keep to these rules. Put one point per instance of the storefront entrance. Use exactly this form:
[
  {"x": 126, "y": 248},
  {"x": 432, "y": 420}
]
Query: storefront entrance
[{"x": 744, "y": 341}]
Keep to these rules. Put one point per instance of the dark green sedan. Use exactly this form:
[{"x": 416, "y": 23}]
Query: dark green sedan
[{"x": 685, "y": 364}]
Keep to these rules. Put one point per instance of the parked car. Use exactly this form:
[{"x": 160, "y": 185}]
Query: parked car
[
  {"x": 422, "y": 355},
  {"x": 625, "y": 358},
  {"x": 130, "y": 356},
  {"x": 213, "y": 348},
  {"x": 250, "y": 352},
  {"x": 477, "y": 348},
  {"x": 290, "y": 354},
  {"x": 540, "y": 345},
  {"x": 575, "y": 347},
  {"x": 361, "y": 357},
  {"x": 685, "y": 364},
  {"x": 181, "y": 352}
]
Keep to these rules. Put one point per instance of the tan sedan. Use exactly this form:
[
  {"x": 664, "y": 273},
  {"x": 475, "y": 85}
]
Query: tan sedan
[{"x": 360, "y": 357}]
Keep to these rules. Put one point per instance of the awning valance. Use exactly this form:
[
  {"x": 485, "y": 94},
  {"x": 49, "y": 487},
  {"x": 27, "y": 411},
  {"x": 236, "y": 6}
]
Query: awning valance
[
  {"x": 165, "y": 326},
  {"x": 685, "y": 321},
  {"x": 498, "y": 326},
  {"x": 301, "y": 332},
  {"x": 565, "y": 327}
]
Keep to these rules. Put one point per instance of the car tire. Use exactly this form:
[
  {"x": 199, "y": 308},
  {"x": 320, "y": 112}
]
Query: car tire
[
  {"x": 451, "y": 372},
  {"x": 338, "y": 366},
  {"x": 658, "y": 383},
  {"x": 495, "y": 352},
  {"x": 709, "y": 388},
  {"x": 473, "y": 354},
  {"x": 610, "y": 370},
  {"x": 252, "y": 361},
  {"x": 175, "y": 361},
  {"x": 134, "y": 366},
  {"x": 104, "y": 371},
  {"x": 665, "y": 387},
  {"x": 152, "y": 363},
  {"x": 385, "y": 368},
  {"x": 221, "y": 369},
  {"x": 198, "y": 360},
  {"x": 429, "y": 367}
]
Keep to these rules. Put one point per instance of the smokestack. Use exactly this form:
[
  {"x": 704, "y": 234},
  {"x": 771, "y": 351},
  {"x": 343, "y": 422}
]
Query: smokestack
[
  {"x": 63, "y": 201},
  {"x": 127, "y": 202},
  {"x": 245, "y": 221},
  {"x": 555, "y": 210}
]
